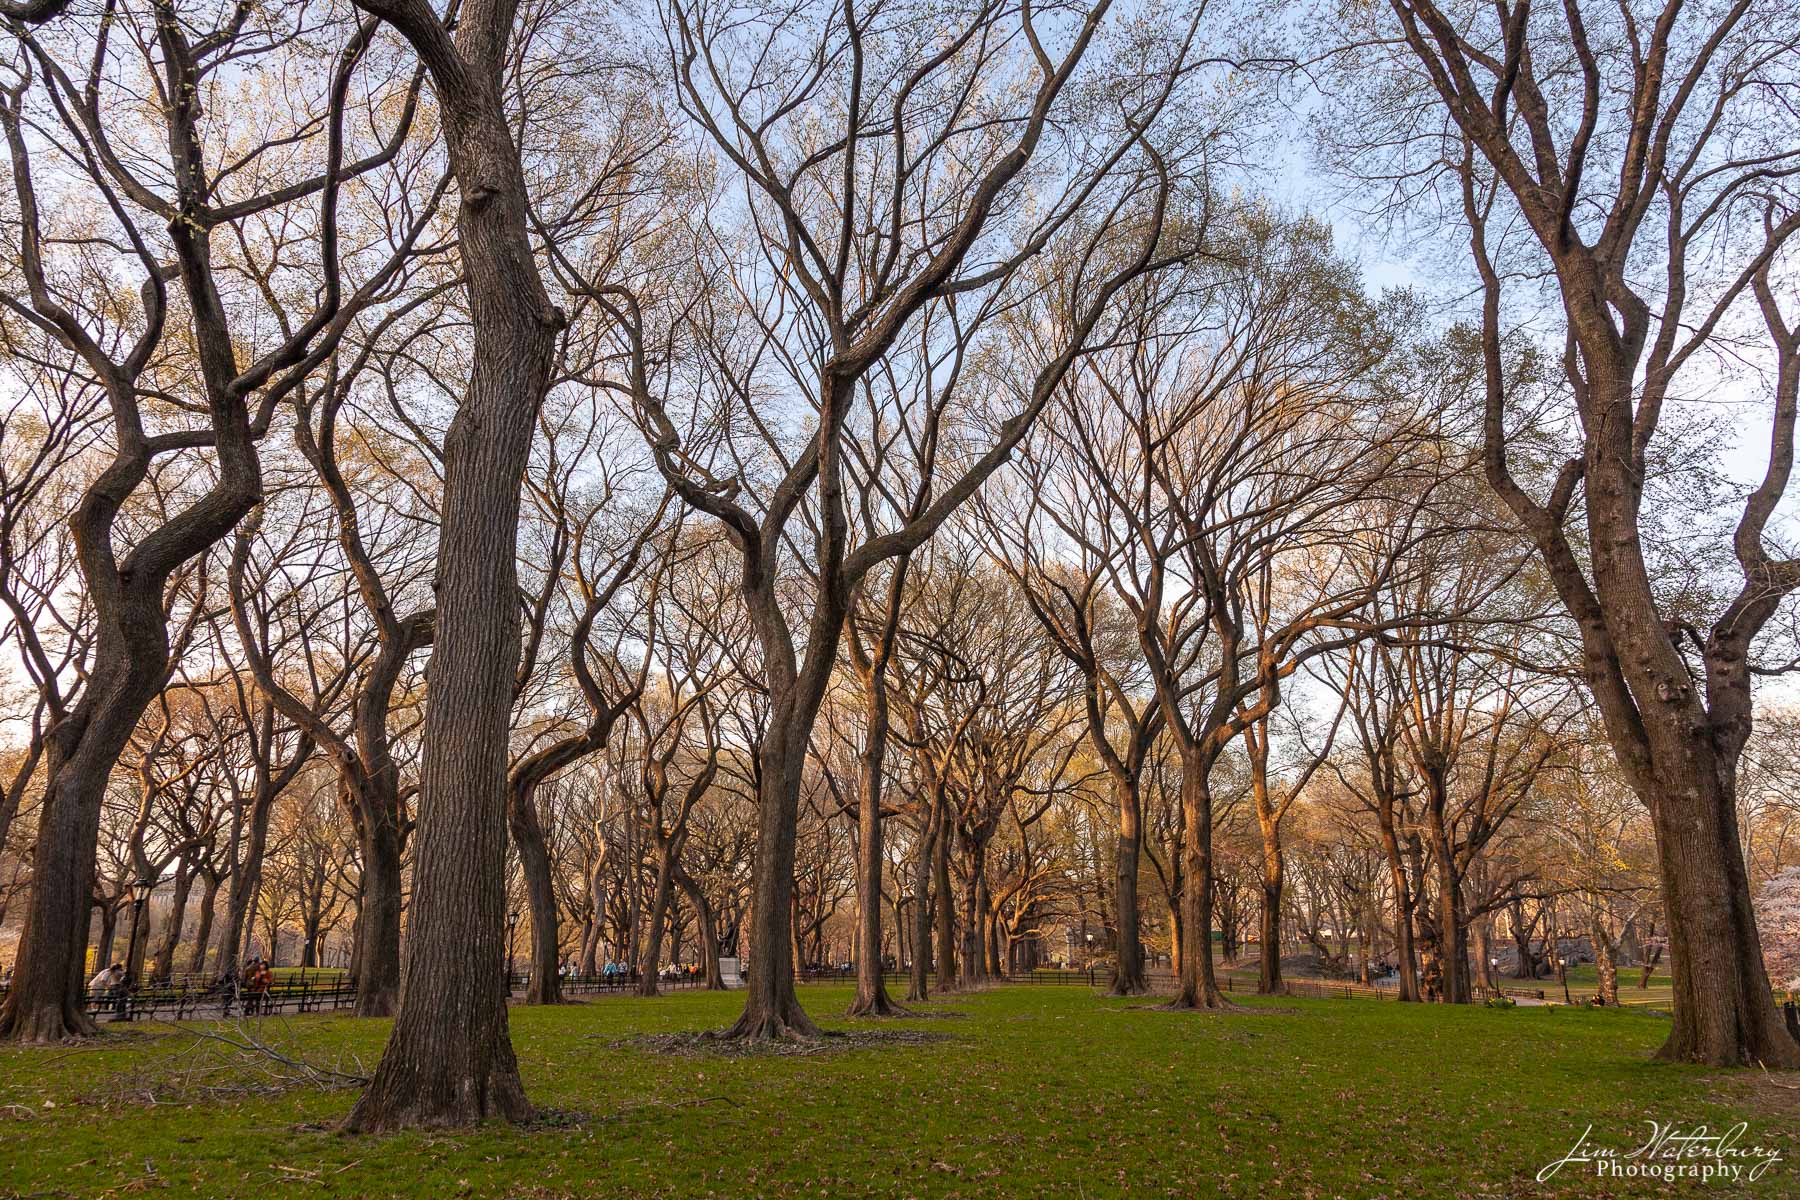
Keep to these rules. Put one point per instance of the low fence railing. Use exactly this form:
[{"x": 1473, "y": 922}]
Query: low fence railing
[{"x": 178, "y": 1001}]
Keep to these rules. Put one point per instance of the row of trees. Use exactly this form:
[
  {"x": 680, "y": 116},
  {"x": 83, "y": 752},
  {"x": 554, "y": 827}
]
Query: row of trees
[
  {"x": 649, "y": 849},
  {"x": 905, "y": 416}
]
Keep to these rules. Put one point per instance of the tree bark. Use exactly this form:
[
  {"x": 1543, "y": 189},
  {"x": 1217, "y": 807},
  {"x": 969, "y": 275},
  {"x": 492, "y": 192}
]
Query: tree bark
[
  {"x": 378, "y": 930},
  {"x": 1198, "y": 986},
  {"x": 449, "y": 1062},
  {"x": 1128, "y": 966},
  {"x": 945, "y": 905},
  {"x": 660, "y": 897},
  {"x": 209, "y": 898},
  {"x": 545, "y": 984},
  {"x": 170, "y": 941},
  {"x": 871, "y": 999},
  {"x": 44, "y": 1002},
  {"x": 918, "y": 983}
]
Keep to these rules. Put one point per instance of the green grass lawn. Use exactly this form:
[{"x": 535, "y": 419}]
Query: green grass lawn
[{"x": 1039, "y": 1091}]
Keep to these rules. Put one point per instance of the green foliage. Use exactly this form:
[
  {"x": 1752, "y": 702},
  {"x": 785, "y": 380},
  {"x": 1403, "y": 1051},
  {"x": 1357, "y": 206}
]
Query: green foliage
[{"x": 1041, "y": 1091}]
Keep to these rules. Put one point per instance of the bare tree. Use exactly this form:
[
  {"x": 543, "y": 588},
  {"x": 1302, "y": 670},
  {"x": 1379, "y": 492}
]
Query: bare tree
[
  {"x": 1640, "y": 157},
  {"x": 846, "y": 270},
  {"x": 136, "y": 362}
]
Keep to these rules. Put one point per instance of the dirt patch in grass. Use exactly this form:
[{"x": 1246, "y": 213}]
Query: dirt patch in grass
[{"x": 831, "y": 1042}]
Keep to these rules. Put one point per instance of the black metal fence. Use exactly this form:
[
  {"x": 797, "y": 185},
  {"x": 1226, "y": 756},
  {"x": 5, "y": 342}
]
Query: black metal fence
[{"x": 191, "y": 997}]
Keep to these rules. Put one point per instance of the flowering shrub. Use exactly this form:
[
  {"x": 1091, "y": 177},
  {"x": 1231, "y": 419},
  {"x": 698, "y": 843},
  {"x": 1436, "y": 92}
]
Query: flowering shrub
[{"x": 1778, "y": 921}]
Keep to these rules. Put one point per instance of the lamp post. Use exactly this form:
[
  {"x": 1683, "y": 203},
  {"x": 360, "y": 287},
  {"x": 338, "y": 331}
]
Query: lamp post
[
  {"x": 512, "y": 924},
  {"x": 1090, "y": 951},
  {"x": 140, "y": 896}
]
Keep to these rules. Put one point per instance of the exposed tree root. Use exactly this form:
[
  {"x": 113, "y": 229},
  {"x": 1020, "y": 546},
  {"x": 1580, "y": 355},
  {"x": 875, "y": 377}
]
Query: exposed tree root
[
  {"x": 789, "y": 1023},
  {"x": 462, "y": 1104},
  {"x": 879, "y": 1004},
  {"x": 45, "y": 1024},
  {"x": 1204, "y": 1000}
]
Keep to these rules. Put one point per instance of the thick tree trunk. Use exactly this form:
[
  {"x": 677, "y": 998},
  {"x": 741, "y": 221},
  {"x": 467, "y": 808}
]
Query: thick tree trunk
[
  {"x": 1174, "y": 905},
  {"x": 1526, "y": 967},
  {"x": 771, "y": 1008},
  {"x": 1268, "y": 979},
  {"x": 449, "y": 1061},
  {"x": 209, "y": 902},
  {"x": 1128, "y": 966},
  {"x": 871, "y": 999},
  {"x": 245, "y": 881},
  {"x": 1452, "y": 931},
  {"x": 109, "y": 933},
  {"x": 1481, "y": 938},
  {"x": 1606, "y": 968},
  {"x": 589, "y": 963},
  {"x": 1198, "y": 987},
  {"x": 1403, "y": 908},
  {"x": 1725, "y": 1011},
  {"x": 44, "y": 1001},
  {"x": 137, "y": 940},
  {"x": 974, "y": 955},
  {"x": 378, "y": 930}
]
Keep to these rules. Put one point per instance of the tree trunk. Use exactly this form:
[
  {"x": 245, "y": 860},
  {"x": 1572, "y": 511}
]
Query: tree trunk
[
  {"x": 709, "y": 931},
  {"x": 1128, "y": 965},
  {"x": 1452, "y": 942},
  {"x": 449, "y": 1062},
  {"x": 1198, "y": 987},
  {"x": 974, "y": 955},
  {"x": 1174, "y": 905},
  {"x": 1481, "y": 936},
  {"x": 1403, "y": 906},
  {"x": 378, "y": 930},
  {"x": 659, "y": 920},
  {"x": 946, "y": 913},
  {"x": 871, "y": 998},
  {"x": 245, "y": 882},
  {"x": 918, "y": 985},
  {"x": 1606, "y": 968},
  {"x": 1724, "y": 1009},
  {"x": 138, "y": 938},
  {"x": 772, "y": 1009},
  {"x": 164, "y": 954},
  {"x": 209, "y": 900},
  {"x": 109, "y": 934},
  {"x": 1268, "y": 979},
  {"x": 545, "y": 984},
  {"x": 44, "y": 1001}
]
